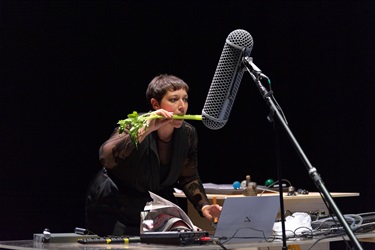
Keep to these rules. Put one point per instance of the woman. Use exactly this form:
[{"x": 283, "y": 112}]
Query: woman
[{"x": 166, "y": 157}]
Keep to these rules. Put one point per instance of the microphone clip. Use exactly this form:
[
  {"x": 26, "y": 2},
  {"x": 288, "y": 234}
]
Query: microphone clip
[{"x": 255, "y": 72}]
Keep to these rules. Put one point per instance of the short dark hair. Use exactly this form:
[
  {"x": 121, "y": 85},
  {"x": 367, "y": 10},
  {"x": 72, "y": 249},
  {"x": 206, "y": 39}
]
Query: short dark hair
[{"x": 163, "y": 83}]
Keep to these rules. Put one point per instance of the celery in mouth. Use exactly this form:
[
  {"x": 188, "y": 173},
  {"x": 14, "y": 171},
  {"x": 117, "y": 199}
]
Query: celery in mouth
[{"x": 135, "y": 121}]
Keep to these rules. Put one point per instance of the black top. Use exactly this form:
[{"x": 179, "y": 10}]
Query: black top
[{"x": 124, "y": 190}]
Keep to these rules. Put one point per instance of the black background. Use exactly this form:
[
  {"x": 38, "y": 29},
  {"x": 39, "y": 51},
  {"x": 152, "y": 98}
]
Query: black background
[{"x": 71, "y": 69}]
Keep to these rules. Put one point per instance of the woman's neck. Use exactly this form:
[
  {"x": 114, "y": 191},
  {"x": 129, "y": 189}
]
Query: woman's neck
[{"x": 165, "y": 134}]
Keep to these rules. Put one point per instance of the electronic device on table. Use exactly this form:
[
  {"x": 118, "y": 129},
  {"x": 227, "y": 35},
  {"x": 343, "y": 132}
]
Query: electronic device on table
[{"x": 183, "y": 237}]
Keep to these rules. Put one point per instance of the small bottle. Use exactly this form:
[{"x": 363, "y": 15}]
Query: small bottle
[{"x": 250, "y": 187}]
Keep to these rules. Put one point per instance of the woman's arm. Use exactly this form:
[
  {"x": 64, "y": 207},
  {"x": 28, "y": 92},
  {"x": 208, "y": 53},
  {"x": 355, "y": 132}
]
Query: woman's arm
[
  {"x": 191, "y": 183},
  {"x": 115, "y": 149},
  {"x": 119, "y": 146}
]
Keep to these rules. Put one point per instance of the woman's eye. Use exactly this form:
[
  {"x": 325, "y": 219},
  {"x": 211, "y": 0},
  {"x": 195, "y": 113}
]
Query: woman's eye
[{"x": 177, "y": 99}]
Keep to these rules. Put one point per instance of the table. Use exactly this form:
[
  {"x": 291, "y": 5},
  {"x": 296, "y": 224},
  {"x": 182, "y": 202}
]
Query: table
[{"x": 304, "y": 244}]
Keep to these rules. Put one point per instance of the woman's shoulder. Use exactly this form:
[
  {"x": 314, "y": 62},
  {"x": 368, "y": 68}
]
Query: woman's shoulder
[
  {"x": 191, "y": 132},
  {"x": 189, "y": 127}
]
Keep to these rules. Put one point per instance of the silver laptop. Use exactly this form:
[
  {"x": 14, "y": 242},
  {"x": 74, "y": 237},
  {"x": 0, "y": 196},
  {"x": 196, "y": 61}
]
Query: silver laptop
[{"x": 247, "y": 219}]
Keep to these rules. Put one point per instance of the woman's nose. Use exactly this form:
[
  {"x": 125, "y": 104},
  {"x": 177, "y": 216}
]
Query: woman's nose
[{"x": 181, "y": 105}]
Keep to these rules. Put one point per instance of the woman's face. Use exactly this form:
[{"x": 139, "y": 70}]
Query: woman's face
[{"x": 176, "y": 102}]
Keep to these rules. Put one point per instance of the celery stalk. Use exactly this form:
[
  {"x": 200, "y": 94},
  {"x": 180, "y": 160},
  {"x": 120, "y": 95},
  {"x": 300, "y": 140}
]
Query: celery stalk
[{"x": 135, "y": 121}]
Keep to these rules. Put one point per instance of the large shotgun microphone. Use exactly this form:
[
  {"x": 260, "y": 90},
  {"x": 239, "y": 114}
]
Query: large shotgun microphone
[{"x": 227, "y": 79}]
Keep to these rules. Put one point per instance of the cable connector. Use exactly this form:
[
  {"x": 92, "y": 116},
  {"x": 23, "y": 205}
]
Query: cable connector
[{"x": 205, "y": 239}]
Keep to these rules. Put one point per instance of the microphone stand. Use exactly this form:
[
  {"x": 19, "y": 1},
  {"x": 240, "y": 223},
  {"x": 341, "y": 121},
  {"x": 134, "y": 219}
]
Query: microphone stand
[{"x": 257, "y": 75}]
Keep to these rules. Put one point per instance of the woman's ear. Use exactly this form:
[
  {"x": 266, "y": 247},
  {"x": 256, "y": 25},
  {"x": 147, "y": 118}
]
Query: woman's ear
[{"x": 155, "y": 104}]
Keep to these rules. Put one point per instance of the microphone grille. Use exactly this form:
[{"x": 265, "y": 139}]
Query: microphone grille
[
  {"x": 226, "y": 79},
  {"x": 240, "y": 38}
]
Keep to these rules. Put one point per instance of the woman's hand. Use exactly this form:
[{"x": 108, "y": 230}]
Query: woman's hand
[
  {"x": 211, "y": 211},
  {"x": 155, "y": 124}
]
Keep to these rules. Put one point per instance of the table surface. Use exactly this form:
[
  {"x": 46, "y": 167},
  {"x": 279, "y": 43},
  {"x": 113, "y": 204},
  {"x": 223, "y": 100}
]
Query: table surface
[
  {"x": 30, "y": 244},
  {"x": 310, "y": 195}
]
